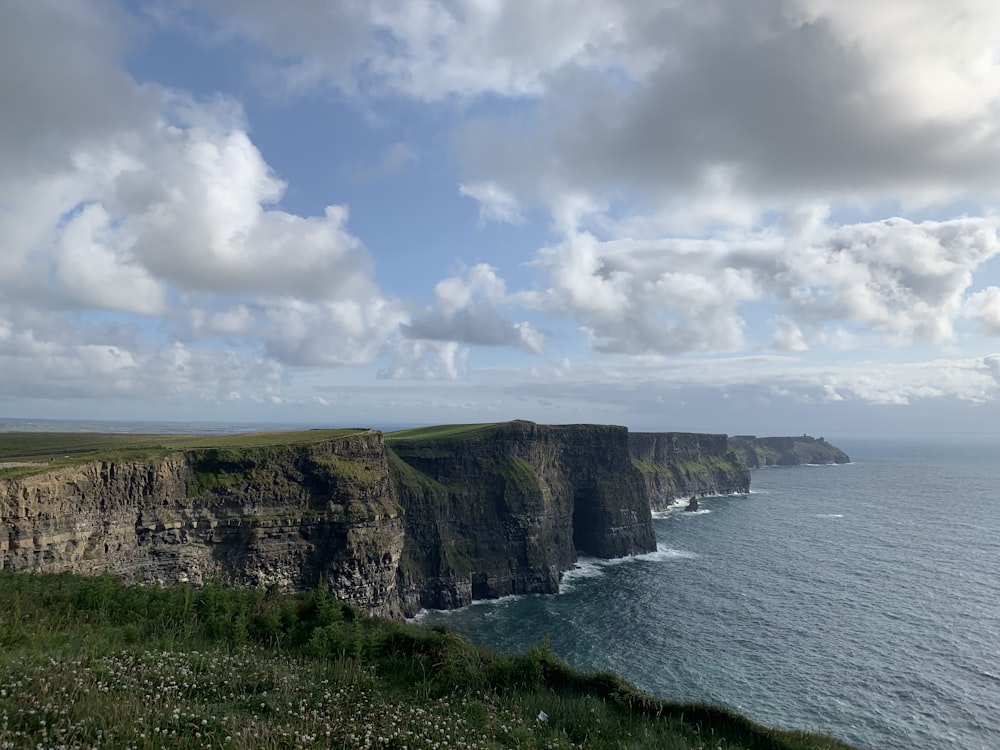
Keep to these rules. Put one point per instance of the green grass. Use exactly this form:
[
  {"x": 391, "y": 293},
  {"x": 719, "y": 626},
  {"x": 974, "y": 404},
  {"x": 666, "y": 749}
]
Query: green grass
[
  {"x": 41, "y": 451},
  {"x": 443, "y": 431},
  {"x": 88, "y": 662}
]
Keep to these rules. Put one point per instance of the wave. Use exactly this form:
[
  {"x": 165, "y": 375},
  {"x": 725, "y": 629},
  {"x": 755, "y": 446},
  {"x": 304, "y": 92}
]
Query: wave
[
  {"x": 594, "y": 567},
  {"x": 829, "y": 515},
  {"x": 681, "y": 503},
  {"x": 426, "y": 612},
  {"x": 662, "y": 554}
]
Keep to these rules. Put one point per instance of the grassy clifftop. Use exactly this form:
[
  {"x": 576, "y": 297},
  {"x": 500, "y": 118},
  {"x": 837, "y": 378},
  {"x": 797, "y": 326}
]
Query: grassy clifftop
[
  {"x": 91, "y": 663},
  {"x": 27, "y": 453}
]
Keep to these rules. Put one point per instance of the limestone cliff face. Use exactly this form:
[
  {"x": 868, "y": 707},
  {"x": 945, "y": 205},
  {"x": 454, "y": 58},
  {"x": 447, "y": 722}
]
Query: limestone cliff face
[
  {"x": 288, "y": 515},
  {"x": 503, "y": 510},
  {"x": 390, "y": 527},
  {"x": 785, "y": 451},
  {"x": 674, "y": 465}
]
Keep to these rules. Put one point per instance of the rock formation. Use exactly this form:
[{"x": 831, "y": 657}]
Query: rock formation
[
  {"x": 288, "y": 515},
  {"x": 675, "y": 465},
  {"x": 756, "y": 452},
  {"x": 503, "y": 510},
  {"x": 421, "y": 519}
]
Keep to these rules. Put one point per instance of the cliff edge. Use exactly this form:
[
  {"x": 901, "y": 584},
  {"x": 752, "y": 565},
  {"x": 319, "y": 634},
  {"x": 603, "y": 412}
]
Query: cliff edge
[{"x": 503, "y": 509}]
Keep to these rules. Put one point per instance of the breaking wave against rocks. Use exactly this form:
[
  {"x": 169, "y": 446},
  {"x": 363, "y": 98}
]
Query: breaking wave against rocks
[{"x": 860, "y": 600}]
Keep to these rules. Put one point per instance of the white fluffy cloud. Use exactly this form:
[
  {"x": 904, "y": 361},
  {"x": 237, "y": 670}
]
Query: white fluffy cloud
[
  {"x": 465, "y": 310},
  {"x": 161, "y": 208},
  {"x": 900, "y": 281},
  {"x": 422, "y": 359},
  {"x": 426, "y": 49},
  {"x": 803, "y": 177},
  {"x": 983, "y": 308}
]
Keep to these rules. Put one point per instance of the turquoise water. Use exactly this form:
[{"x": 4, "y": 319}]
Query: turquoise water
[{"x": 861, "y": 600}]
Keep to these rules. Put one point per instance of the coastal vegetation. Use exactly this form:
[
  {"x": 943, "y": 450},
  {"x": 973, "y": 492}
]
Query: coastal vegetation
[
  {"x": 441, "y": 431},
  {"x": 90, "y": 662},
  {"x": 27, "y": 453}
]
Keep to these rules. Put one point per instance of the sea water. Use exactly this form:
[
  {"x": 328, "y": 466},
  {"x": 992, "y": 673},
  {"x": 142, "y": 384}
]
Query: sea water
[{"x": 861, "y": 600}]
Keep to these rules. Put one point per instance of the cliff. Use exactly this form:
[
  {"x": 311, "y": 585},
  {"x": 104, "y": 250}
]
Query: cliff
[
  {"x": 285, "y": 515},
  {"x": 503, "y": 509},
  {"x": 674, "y": 465},
  {"x": 434, "y": 517},
  {"x": 756, "y": 452}
]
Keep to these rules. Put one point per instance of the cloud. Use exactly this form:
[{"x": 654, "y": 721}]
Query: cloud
[
  {"x": 311, "y": 45},
  {"x": 495, "y": 203},
  {"x": 983, "y": 308},
  {"x": 147, "y": 209},
  {"x": 787, "y": 335},
  {"x": 902, "y": 279},
  {"x": 51, "y": 107},
  {"x": 95, "y": 265},
  {"x": 428, "y": 50},
  {"x": 465, "y": 310},
  {"x": 769, "y": 382},
  {"x": 719, "y": 180},
  {"x": 57, "y": 367},
  {"x": 425, "y": 360},
  {"x": 767, "y": 102},
  {"x": 895, "y": 280}
]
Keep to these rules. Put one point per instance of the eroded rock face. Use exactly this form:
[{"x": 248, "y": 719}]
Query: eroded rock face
[
  {"x": 504, "y": 511},
  {"x": 678, "y": 465},
  {"x": 388, "y": 528},
  {"x": 283, "y": 515}
]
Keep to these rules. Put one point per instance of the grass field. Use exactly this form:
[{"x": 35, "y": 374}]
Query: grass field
[
  {"x": 443, "y": 431},
  {"x": 87, "y": 662},
  {"x": 31, "y": 452}
]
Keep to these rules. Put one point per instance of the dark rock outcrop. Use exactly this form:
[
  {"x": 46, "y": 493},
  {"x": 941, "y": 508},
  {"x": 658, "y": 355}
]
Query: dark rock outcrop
[
  {"x": 676, "y": 465},
  {"x": 503, "y": 510},
  {"x": 756, "y": 452}
]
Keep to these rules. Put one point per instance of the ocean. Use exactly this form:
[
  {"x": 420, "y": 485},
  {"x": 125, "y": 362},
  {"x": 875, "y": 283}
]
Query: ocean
[{"x": 860, "y": 600}]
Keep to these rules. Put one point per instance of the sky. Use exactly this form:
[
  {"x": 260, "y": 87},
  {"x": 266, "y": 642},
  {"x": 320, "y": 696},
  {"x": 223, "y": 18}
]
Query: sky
[{"x": 753, "y": 216}]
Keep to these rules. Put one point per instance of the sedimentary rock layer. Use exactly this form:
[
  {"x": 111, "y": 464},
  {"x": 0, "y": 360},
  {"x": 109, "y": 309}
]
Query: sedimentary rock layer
[
  {"x": 677, "y": 465},
  {"x": 504, "y": 509},
  {"x": 420, "y": 521},
  {"x": 284, "y": 515}
]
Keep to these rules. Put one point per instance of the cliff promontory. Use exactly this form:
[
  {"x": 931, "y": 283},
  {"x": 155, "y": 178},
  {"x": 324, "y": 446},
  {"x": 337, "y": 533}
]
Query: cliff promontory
[
  {"x": 503, "y": 509},
  {"x": 434, "y": 517},
  {"x": 756, "y": 452}
]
